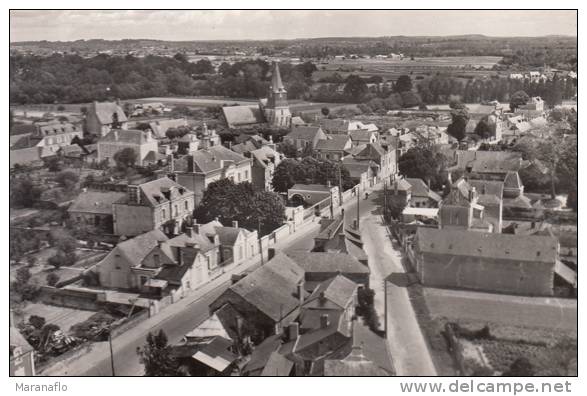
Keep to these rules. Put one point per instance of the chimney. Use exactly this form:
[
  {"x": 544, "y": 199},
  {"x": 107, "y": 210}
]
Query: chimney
[
  {"x": 189, "y": 231},
  {"x": 328, "y": 184},
  {"x": 324, "y": 322},
  {"x": 301, "y": 291},
  {"x": 293, "y": 331},
  {"x": 472, "y": 194},
  {"x": 234, "y": 224},
  {"x": 134, "y": 195},
  {"x": 170, "y": 161},
  {"x": 190, "y": 161},
  {"x": 270, "y": 253},
  {"x": 195, "y": 228}
]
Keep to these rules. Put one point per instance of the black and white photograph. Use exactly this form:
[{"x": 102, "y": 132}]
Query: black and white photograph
[{"x": 294, "y": 193}]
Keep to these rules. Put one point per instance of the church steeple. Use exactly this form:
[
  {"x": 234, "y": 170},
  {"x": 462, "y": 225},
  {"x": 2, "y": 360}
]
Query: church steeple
[{"x": 276, "y": 84}]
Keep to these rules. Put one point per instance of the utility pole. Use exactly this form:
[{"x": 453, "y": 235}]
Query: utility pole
[
  {"x": 111, "y": 352},
  {"x": 340, "y": 183},
  {"x": 385, "y": 306},
  {"x": 385, "y": 201},
  {"x": 259, "y": 237},
  {"x": 358, "y": 204}
]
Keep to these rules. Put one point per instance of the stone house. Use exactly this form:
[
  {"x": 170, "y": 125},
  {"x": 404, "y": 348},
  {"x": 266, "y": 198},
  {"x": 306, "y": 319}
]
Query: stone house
[
  {"x": 334, "y": 147},
  {"x": 95, "y": 208},
  {"x": 141, "y": 142},
  {"x": 198, "y": 169},
  {"x": 303, "y": 137},
  {"x": 101, "y": 118},
  {"x": 236, "y": 244},
  {"x": 159, "y": 203},
  {"x": 495, "y": 263}
]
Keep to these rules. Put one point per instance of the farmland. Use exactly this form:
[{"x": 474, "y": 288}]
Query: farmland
[{"x": 391, "y": 69}]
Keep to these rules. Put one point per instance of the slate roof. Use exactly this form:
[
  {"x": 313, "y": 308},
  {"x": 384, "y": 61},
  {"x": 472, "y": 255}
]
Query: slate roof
[
  {"x": 338, "y": 289},
  {"x": 242, "y": 115},
  {"x": 20, "y": 141},
  {"x": 372, "y": 151},
  {"x": 104, "y": 112},
  {"x": 160, "y": 127},
  {"x": 487, "y": 187},
  {"x": 17, "y": 340},
  {"x": 137, "y": 248},
  {"x": 98, "y": 202},
  {"x": 361, "y": 135},
  {"x": 153, "y": 192},
  {"x": 200, "y": 239},
  {"x": 488, "y": 245},
  {"x": 265, "y": 155},
  {"x": 420, "y": 189},
  {"x": 486, "y": 161},
  {"x": 304, "y": 132},
  {"x": 272, "y": 288},
  {"x": 209, "y": 160},
  {"x": 328, "y": 262},
  {"x": 355, "y": 364},
  {"x": 333, "y": 143},
  {"x": 129, "y": 136}
]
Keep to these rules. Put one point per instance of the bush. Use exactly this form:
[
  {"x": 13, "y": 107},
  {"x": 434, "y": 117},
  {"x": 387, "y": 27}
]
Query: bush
[
  {"x": 366, "y": 308},
  {"x": 37, "y": 321},
  {"x": 52, "y": 278},
  {"x": 67, "y": 178}
]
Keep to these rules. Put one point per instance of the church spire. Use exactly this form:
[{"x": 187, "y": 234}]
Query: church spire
[{"x": 276, "y": 83}]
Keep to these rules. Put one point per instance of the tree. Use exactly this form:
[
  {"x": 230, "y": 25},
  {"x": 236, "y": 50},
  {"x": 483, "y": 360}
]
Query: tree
[
  {"x": 23, "y": 275},
  {"x": 67, "y": 179},
  {"x": 325, "y": 111},
  {"x": 395, "y": 205},
  {"x": 284, "y": 176},
  {"x": 484, "y": 128},
  {"x": 355, "y": 88},
  {"x": 423, "y": 163},
  {"x": 24, "y": 193},
  {"x": 521, "y": 367},
  {"x": 52, "y": 278},
  {"x": 458, "y": 127},
  {"x": 37, "y": 321},
  {"x": 241, "y": 202},
  {"x": 288, "y": 149},
  {"x": 403, "y": 84},
  {"x": 156, "y": 356},
  {"x": 125, "y": 158},
  {"x": 518, "y": 99}
]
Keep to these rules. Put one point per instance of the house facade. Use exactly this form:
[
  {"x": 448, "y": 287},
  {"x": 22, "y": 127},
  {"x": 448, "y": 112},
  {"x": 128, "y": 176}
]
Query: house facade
[
  {"x": 160, "y": 203},
  {"x": 141, "y": 142},
  {"x": 198, "y": 169},
  {"x": 101, "y": 118}
]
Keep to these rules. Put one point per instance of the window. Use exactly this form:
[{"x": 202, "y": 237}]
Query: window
[
  {"x": 186, "y": 205},
  {"x": 238, "y": 175},
  {"x": 246, "y": 175},
  {"x": 175, "y": 210},
  {"x": 163, "y": 214}
]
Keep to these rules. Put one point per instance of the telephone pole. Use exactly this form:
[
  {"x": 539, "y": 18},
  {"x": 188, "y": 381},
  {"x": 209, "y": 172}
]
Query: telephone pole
[
  {"x": 259, "y": 237},
  {"x": 111, "y": 352},
  {"x": 358, "y": 204}
]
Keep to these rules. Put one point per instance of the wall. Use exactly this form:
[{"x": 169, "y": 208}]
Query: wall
[
  {"x": 488, "y": 274},
  {"x": 70, "y": 298},
  {"x": 132, "y": 219}
]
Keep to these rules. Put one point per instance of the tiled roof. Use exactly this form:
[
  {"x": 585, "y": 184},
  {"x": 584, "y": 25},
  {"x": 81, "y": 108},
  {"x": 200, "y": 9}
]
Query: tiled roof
[
  {"x": 272, "y": 288},
  {"x": 131, "y": 136},
  {"x": 99, "y": 202},
  {"x": 488, "y": 245},
  {"x": 265, "y": 155},
  {"x": 361, "y": 135},
  {"x": 242, "y": 115},
  {"x": 372, "y": 151},
  {"x": 328, "y": 262},
  {"x": 104, "y": 112},
  {"x": 200, "y": 239}
]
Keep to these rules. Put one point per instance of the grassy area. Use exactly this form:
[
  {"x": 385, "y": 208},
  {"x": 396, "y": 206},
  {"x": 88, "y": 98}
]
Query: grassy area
[{"x": 432, "y": 331}]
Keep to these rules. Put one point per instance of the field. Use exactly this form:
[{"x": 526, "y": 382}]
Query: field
[
  {"x": 541, "y": 312},
  {"x": 390, "y": 69}
]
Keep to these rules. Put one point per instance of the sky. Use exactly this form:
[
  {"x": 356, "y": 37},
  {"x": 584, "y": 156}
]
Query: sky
[{"x": 33, "y": 25}]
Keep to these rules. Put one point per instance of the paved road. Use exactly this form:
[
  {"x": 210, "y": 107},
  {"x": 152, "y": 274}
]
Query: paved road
[
  {"x": 405, "y": 340},
  {"x": 176, "y": 320}
]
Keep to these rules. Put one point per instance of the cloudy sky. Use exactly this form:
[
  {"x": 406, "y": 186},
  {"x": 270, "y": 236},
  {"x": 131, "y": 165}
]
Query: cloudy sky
[{"x": 222, "y": 25}]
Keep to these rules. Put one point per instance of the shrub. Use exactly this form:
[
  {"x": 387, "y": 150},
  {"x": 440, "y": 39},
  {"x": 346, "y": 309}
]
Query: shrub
[{"x": 52, "y": 278}]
